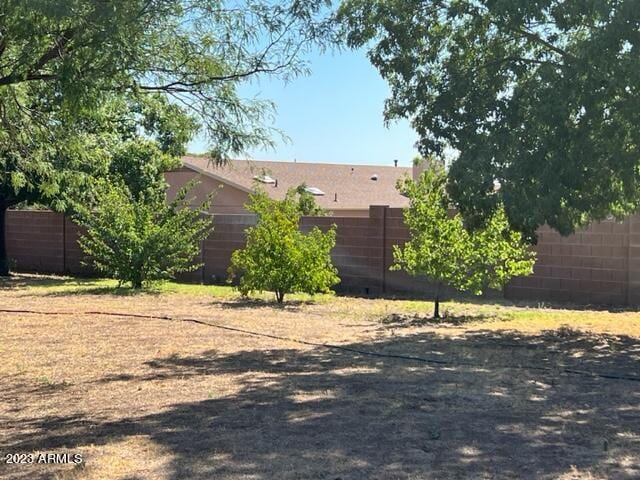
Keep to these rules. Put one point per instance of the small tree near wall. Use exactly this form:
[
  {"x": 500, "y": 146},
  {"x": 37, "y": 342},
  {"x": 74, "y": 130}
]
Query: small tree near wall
[
  {"x": 442, "y": 250},
  {"x": 141, "y": 239},
  {"x": 278, "y": 257},
  {"x": 306, "y": 202}
]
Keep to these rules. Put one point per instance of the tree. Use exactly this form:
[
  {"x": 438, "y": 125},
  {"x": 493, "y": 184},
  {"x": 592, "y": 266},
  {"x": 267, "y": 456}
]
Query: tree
[
  {"x": 140, "y": 165},
  {"x": 307, "y": 204},
  {"x": 446, "y": 253},
  {"x": 138, "y": 239},
  {"x": 67, "y": 68},
  {"x": 49, "y": 157},
  {"x": 195, "y": 52},
  {"x": 278, "y": 257},
  {"x": 541, "y": 96}
]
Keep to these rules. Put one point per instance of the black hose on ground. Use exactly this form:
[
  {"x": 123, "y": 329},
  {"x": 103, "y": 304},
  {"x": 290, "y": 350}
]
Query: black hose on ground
[{"x": 570, "y": 371}]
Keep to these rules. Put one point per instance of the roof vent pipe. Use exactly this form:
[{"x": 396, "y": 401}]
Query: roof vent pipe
[
  {"x": 395, "y": 163},
  {"x": 335, "y": 197}
]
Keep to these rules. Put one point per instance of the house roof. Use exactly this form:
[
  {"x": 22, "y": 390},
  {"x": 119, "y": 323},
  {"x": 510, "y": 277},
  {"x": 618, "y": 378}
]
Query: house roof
[{"x": 352, "y": 185}]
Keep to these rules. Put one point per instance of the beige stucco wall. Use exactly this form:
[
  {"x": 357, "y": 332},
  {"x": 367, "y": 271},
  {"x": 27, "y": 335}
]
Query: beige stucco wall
[{"x": 228, "y": 199}]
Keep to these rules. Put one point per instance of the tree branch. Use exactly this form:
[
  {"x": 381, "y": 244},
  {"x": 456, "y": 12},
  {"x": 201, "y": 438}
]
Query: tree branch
[
  {"x": 3, "y": 43},
  {"x": 56, "y": 50},
  {"x": 538, "y": 39},
  {"x": 184, "y": 86}
]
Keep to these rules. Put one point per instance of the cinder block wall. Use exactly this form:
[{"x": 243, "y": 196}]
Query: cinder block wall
[
  {"x": 397, "y": 234},
  {"x": 228, "y": 235},
  {"x": 35, "y": 240},
  {"x": 633, "y": 261},
  {"x": 598, "y": 265},
  {"x": 358, "y": 254},
  {"x": 595, "y": 265}
]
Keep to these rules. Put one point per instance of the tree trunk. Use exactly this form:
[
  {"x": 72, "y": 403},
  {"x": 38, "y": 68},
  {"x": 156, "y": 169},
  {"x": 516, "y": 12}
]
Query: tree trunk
[
  {"x": 279, "y": 297},
  {"x": 4, "y": 259},
  {"x": 436, "y": 306},
  {"x": 136, "y": 282}
]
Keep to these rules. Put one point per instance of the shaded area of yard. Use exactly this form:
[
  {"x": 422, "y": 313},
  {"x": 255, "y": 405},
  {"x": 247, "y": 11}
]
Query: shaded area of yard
[{"x": 153, "y": 399}]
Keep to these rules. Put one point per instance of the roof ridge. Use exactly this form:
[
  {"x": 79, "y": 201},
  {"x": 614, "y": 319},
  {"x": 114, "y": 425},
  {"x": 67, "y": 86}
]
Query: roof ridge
[{"x": 290, "y": 162}]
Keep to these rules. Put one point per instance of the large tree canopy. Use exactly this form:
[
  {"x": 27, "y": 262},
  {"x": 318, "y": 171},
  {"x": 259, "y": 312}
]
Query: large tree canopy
[
  {"x": 540, "y": 95},
  {"x": 51, "y": 157},
  {"x": 81, "y": 78},
  {"x": 194, "y": 51}
]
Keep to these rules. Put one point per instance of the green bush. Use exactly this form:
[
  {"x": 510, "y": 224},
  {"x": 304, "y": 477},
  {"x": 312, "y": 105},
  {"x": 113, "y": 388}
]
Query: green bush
[
  {"x": 140, "y": 239},
  {"x": 278, "y": 257}
]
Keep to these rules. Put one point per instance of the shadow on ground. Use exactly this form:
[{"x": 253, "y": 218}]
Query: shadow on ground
[
  {"x": 496, "y": 298},
  {"x": 75, "y": 286},
  {"x": 71, "y": 286},
  {"x": 329, "y": 414},
  {"x": 242, "y": 303},
  {"x": 403, "y": 320},
  {"x": 115, "y": 291},
  {"x": 21, "y": 281}
]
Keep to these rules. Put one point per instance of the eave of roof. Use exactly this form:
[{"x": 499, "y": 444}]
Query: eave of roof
[{"x": 219, "y": 178}]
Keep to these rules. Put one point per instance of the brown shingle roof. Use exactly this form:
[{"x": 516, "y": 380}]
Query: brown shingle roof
[{"x": 352, "y": 183}]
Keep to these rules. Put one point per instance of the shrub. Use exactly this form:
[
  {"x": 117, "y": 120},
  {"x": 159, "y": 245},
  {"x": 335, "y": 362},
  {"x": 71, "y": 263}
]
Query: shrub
[
  {"x": 445, "y": 252},
  {"x": 278, "y": 257},
  {"x": 141, "y": 239}
]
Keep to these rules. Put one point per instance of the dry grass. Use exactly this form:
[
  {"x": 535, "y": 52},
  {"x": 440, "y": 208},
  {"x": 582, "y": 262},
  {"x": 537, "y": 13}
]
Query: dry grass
[{"x": 144, "y": 398}]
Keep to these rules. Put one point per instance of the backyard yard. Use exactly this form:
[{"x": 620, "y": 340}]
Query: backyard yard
[{"x": 322, "y": 388}]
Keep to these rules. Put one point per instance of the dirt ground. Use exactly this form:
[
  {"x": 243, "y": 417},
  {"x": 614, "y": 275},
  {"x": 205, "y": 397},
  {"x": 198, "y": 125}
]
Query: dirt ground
[{"x": 497, "y": 391}]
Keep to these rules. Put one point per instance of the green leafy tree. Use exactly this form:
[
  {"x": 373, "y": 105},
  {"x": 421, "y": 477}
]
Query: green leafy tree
[
  {"x": 67, "y": 70},
  {"x": 446, "y": 253},
  {"x": 140, "y": 164},
  {"x": 542, "y": 96},
  {"x": 195, "y": 52},
  {"x": 278, "y": 257},
  {"x": 138, "y": 239},
  {"x": 307, "y": 204},
  {"x": 37, "y": 163},
  {"x": 49, "y": 158}
]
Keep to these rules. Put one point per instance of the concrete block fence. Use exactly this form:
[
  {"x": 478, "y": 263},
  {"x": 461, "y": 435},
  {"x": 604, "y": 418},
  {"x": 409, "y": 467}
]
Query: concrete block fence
[{"x": 598, "y": 265}]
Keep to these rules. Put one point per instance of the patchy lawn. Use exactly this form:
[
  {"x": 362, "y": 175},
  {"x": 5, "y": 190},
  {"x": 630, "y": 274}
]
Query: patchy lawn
[{"x": 497, "y": 391}]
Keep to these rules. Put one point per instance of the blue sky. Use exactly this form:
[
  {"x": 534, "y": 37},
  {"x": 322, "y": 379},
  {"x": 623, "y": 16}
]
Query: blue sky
[{"x": 333, "y": 115}]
